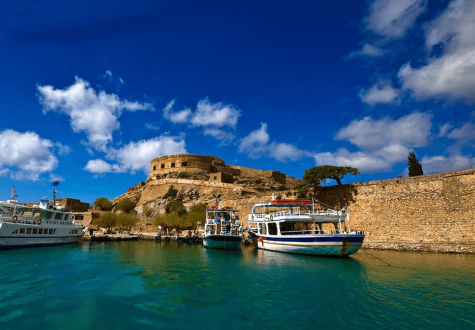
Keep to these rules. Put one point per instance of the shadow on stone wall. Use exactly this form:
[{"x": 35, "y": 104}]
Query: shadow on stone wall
[{"x": 337, "y": 197}]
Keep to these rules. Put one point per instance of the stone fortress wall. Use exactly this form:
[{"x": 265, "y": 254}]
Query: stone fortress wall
[{"x": 429, "y": 212}]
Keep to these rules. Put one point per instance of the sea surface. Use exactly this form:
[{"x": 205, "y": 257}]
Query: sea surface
[{"x": 152, "y": 285}]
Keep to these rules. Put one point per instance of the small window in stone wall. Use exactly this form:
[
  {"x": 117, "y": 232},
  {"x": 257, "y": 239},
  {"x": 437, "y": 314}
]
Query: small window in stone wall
[
  {"x": 184, "y": 164},
  {"x": 154, "y": 168},
  {"x": 216, "y": 178},
  {"x": 156, "y": 177},
  {"x": 162, "y": 166},
  {"x": 173, "y": 165}
]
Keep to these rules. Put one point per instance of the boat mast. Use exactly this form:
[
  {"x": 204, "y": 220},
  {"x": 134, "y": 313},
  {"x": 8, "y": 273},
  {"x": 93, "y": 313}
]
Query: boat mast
[
  {"x": 13, "y": 193},
  {"x": 54, "y": 197}
]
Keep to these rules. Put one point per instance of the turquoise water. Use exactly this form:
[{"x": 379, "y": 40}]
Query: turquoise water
[{"x": 151, "y": 285}]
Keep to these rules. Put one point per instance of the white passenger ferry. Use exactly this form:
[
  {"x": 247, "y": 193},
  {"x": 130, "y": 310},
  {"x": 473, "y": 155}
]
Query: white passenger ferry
[
  {"x": 39, "y": 225},
  {"x": 222, "y": 229},
  {"x": 295, "y": 226}
]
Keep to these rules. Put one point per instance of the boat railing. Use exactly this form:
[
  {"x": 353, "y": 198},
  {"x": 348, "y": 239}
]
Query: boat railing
[
  {"x": 267, "y": 216},
  {"x": 9, "y": 218},
  {"x": 313, "y": 232},
  {"x": 321, "y": 232}
]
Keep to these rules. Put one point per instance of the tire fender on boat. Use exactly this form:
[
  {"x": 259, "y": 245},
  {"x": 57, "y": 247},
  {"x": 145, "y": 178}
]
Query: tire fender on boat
[
  {"x": 38, "y": 221},
  {"x": 271, "y": 217},
  {"x": 252, "y": 217},
  {"x": 14, "y": 218}
]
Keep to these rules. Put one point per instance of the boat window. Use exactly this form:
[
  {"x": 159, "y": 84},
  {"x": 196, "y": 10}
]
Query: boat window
[
  {"x": 40, "y": 231},
  {"x": 263, "y": 229},
  {"x": 47, "y": 214},
  {"x": 35, "y": 231},
  {"x": 58, "y": 215},
  {"x": 51, "y": 231},
  {"x": 285, "y": 228},
  {"x": 22, "y": 230},
  {"x": 15, "y": 232},
  {"x": 272, "y": 228},
  {"x": 28, "y": 230}
]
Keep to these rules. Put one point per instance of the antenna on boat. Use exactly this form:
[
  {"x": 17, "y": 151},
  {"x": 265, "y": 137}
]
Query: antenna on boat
[
  {"x": 54, "y": 197},
  {"x": 13, "y": 193}
]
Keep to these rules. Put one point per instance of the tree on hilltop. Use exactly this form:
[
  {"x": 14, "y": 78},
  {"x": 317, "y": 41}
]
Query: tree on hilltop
[
  {"x": 317, "y": 175},
  {"x": 415, "y": 168}
]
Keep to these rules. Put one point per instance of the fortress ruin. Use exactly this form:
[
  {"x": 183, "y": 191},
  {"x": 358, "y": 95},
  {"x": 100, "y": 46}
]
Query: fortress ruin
[{"x": 212, "y": 169}]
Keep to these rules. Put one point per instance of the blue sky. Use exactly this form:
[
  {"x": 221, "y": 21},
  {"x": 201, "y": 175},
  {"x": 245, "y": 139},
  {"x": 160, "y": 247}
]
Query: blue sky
[{"x": 93, "y": 90}]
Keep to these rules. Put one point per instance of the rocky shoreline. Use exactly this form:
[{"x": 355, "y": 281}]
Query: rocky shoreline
[{"x": 421, "y": 247}]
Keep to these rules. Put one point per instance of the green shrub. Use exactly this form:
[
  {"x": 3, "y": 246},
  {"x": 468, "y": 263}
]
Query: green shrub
[
  {"x": 172, "y": 192},
  {"x": 182, "y": 175},
  {"x": 169, "y": 221},
  {"x": 127, "y": 221},
  {"x": 282, "y": 188},
  {"x": 103, "y": 203},
  {"x": 107, "y": 220},
  {"x": 125, "y": 205},
  {"x": 147, "y": 211},
  {"x": 177, "y": 207}
]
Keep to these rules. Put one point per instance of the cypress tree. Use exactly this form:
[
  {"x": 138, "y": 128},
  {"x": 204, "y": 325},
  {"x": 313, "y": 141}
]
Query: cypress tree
[{"x": 415, "y": 168}]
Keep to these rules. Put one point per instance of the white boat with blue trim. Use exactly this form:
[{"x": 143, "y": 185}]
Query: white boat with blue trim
[
  {"x": 222, "y": 229},
  {"x": 295, "y": 226},
  {"x": 38, "y": 225}
]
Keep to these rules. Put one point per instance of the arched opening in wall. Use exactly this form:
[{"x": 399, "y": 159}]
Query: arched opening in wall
[
  {"x": 162, "y": 166},
  {"x": 172, "y": 165},
  {"x": 184, "y": 164},
  {"x": 156, "y": 177}
]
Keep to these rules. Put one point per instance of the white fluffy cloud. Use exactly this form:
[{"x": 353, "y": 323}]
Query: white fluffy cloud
[
  {"x": 392, "y": 18},
  {"x": 94, "y": 113},
  {"x": 178, "y": 117},
  {"x": 213, "y": 117},
  {"x": 440, "y": 164},
  {"x": 256, "y": 145},
  {"x": 451, "y": 75},
  {"x": 381, "y": 92},
  {"x": 382, "y": 143},
  {"x": 136, "y": 156},
  {"x": 25, "y": 155},
  {"x": 368, "y": 50}
]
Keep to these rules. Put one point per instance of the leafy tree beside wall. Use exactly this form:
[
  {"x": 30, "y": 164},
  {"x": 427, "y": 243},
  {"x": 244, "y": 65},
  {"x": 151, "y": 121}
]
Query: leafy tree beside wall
[
  {"x": 315, "y": 176},
  {"x": 415, "y": 168}
]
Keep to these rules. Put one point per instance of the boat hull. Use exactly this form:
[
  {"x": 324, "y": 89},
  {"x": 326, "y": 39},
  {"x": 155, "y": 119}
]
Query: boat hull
[
  {"x": 222, "y": 242},
  {"x": 21, "y": 242},
  {"x": 333, "y": 245}
]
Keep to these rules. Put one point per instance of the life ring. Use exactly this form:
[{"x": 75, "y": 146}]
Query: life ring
[
  {"x": 271, "y": 217},
  {"x": 14, "y": 218},
  {"x": 38, "y": 221}
]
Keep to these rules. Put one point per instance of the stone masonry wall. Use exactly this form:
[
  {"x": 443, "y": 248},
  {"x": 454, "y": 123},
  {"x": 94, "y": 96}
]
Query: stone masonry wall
[{"x": 415, "y": 213}]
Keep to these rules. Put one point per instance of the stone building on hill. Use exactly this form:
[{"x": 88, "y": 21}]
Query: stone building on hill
[
  {"x": 210, "y": 168},
  {"x": 200, "y": 178}
]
